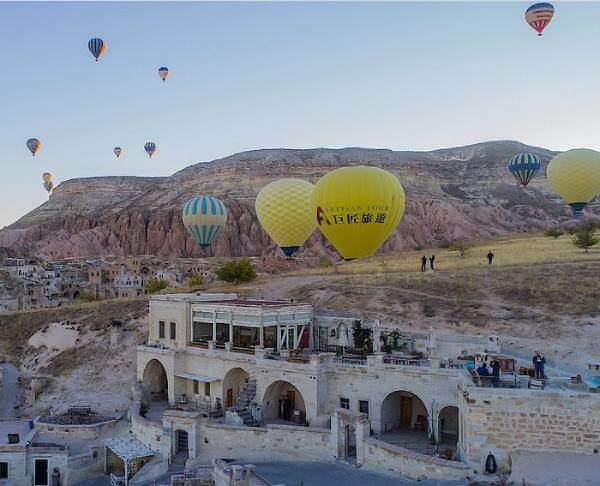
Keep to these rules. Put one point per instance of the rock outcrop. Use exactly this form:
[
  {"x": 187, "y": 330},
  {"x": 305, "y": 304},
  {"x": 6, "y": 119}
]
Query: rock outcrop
[{"x": 459, "y": 193}]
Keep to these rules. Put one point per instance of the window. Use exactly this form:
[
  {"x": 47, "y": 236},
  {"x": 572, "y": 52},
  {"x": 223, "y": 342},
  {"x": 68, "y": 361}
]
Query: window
[
  {"x": 207, "y": 389},
  {"x": 196, "y": 387},
  {"x": 3, "y": 470},
  {"x": 173, "y": 330},
  {"x": 345, "y": 403},
  {"x": 161, "y": 329},
  {"x": 363, "y": 407}
]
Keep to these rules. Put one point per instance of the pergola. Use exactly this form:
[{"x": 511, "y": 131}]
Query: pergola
[{"x": 131, "y": 451}]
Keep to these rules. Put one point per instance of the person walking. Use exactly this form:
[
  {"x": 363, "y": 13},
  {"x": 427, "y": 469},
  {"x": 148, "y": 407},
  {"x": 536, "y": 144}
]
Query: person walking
[
  {"x": 432, "y": 262},
  {"x": 423, "y": 263},
  {"x": 495, "y": 365},
  {"x": 539, "y": 362},
  {"x": 490, "y": 257}
]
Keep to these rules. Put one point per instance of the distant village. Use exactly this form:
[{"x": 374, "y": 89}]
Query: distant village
[{"x": 33, "y": 284}]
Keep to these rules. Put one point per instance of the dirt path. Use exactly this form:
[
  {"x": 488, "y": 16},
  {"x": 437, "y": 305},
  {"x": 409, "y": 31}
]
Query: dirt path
[{"x": 8, "y": 396}]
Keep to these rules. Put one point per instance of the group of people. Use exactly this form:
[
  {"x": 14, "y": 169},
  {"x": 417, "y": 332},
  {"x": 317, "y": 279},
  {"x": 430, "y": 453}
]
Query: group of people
[
  {"x": 493, "y": 371},
  {"x": 490, "y": 259}
]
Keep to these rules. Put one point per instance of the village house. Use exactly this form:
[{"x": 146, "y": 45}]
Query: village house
[{"x": 220, "y": 372}]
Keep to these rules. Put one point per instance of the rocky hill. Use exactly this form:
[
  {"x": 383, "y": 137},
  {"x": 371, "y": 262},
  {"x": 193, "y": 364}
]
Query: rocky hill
[{"x": 457, "y": 193}]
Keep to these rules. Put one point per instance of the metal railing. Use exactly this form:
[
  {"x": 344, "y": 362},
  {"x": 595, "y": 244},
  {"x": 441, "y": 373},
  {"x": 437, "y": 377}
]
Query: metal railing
[
  {"x": 351, "y": 360},
  {"x": 406, "y": 361}
]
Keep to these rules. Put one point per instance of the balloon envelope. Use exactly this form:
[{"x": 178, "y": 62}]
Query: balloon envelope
[
  {"x": 524, "y": 167},
  {"x": 46, "y": 176},
  {"x": 539, "y": 15},
  {"x": 33, "y": 144},
  {"x": 358, "y": 208},
  {"x": 203, "y": 218},
  {"x": 284, "y": 209},
  {"x": 118, "y": 151},
  {"x": 575, "y": 176},
  {"x": 48, "y": 185},
  {"x": 97, "y": 47},
  {"x": 150, "y": 148},
  {"x": 163, "y": 72}
]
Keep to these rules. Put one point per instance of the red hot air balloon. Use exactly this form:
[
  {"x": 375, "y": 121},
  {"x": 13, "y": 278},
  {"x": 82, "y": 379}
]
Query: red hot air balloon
[{"x": 539, "y": 16}]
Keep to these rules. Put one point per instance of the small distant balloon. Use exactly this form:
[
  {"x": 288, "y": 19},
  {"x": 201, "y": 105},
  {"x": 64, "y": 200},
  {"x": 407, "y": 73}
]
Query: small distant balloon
[
  {"x": 49, "y": 186},
  {"x": 150, "y": 148},
  {"x": 163, "y": 72},
  {"x": 97, "y": 47},
  {"x": 539, "y": 15},
  {"x": 118, "y": 151},
  {"x": 33, "y": 144},
  {"x": 46, "y": 176},
  {"x": 524, "y": 167}
]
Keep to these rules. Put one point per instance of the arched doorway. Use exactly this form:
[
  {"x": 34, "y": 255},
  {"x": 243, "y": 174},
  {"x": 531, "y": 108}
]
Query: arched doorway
[
  {"x": 404, "y": 421},
  {"x": 235, "y": 383},
  {"x": 283, "y": 403},
  {"x": 448, "y": 430},
  {"x": 155, "y": 380}
]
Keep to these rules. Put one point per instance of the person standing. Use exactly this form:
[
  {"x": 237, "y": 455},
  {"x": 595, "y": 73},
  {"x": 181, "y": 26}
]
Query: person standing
[
  {"x": 423, "y": 263},
  {"x": 539, "y": 362},
  {"x": 490, "y": 257},
  {"x": 432, "y": 262},
  {"x": 495, "y": 365}
]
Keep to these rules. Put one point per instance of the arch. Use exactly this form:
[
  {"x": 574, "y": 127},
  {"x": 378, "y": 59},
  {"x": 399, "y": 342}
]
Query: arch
[
  {"x": 283, "y": 402},
  {"x": 448, "y": 427},
  {"x": 404, "y": 419},
  {"x": 234, "y": 381},
  {"x": 155, "y": 379}
]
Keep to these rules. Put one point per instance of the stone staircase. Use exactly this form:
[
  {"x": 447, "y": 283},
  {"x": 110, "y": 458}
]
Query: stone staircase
[{"x": 242, "y": 404}]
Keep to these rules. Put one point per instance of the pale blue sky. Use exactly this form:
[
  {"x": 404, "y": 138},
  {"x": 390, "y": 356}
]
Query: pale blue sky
[{"x": 250, "y": 75}]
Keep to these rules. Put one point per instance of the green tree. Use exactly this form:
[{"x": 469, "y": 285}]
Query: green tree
[
  {"x": 461, "y": 247},
  {"x": 236, "y": 271},
  {"x": 195, "y": 281},
  {"x": 155, "y": 285},
  {"x": 554, "y": 233},
  {"x": 586, "y": 238},
  {"x": 362, "y": 337}
]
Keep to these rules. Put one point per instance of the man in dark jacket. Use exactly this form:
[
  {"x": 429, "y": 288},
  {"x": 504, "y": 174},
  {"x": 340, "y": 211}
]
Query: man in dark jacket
[
  {"x": 539, "y": 362},
  {"x": 495, "y": 365},
  {"x": 432, "y": 261},
  {"x": 423, "y": 263},
  {"x": 490, "y": 257}
]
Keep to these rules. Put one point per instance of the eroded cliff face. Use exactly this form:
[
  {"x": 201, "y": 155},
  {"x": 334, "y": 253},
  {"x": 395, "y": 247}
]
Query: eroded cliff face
[{"x": 451, "y": 194}]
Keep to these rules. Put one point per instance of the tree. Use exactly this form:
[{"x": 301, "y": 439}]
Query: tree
[
  {"x": 155, "y": 285},
  {"x": 586, "y": 238},
  {"x": 236, "y": 271},
  {"x": 554, "y": 233},
  {"x": 195, "y": 281},
  {"x": 461, "y": 247},
  {"x": 362, "y": 336}
]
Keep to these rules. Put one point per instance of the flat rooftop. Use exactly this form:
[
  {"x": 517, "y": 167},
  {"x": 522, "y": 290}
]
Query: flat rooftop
[
  {"x": 14, "y": 426},
  {"x": 222, "y": 299}
]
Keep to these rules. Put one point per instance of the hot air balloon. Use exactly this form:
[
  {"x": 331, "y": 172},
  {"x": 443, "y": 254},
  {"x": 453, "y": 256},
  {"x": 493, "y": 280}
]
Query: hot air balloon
[
  {"x": 203, "y": 217},
  {"x": 46, "y": 176},
  {"x": 284, "y": 209},
  {"x": 575, "y": 176},
  {"x": 33, "y": 144},
  {"x": 358, "y": 208},
  {"x": 539, "y": 16},
  {"x": 48, "y": 184},
  {"x": 163, "y": 72},
  {"x": 150, "y": 148},
  {"x": 118, "y": 151},
  {"x": 524, "y": 167},
  {"x": 97, "y": 47}
]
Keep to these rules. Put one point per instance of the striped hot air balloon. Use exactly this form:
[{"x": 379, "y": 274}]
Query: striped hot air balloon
[
  {"x": 117, "y": 151},
  {"x": 33, "y": 144},
  {"x": 539, "y": 15},
  {"x": 524, "y": 167},
  {"x": 203, "y": 217},
  {"x": 97, "y": 47},
  {"x": 46, "y": 176},
  {"x": 163, "y": 72},
  {"x": 150, "y": 148}
]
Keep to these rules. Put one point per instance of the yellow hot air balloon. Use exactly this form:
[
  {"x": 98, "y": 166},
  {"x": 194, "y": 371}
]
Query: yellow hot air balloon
[
  {"x": 284, "y": 209},
  {"x": 575, "y": 176},
  {"x": 358, "y": 208}
]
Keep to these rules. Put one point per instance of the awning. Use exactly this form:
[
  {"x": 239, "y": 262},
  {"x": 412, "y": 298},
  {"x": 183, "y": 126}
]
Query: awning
[
  {"x": 201, "y": 378},
  {"x": 128, "y": 448}
]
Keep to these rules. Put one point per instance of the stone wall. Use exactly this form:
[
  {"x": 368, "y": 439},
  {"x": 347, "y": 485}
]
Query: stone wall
[
  {"x": 382, "y": 456},
  {"x": 85, "y": 466},
  {"x": 503, "y": 421},
  {"x": 150, "y": 433}
]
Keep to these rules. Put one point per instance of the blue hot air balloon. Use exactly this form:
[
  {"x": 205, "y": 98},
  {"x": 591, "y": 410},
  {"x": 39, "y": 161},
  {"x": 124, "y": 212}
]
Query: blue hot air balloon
[
  {"x": 150, "y": 148},
  {"x": 524, "y": 167},
  {"x": 97, "y": 47},
  {"x": 203, "y": 217}
]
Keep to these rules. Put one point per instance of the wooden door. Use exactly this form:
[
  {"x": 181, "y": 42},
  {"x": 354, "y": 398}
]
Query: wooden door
[
  {"x": 291, "y": 394},
  {"x": 406, "y": 412},
  {"x": 229, "y": 401}
]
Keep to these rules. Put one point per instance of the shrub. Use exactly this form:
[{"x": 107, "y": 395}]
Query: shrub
[
  {"x": 325, "y": 262},
  {"x": 461, "y": 247},
  {"x": 155, "y": 285},
  {"x": 554, "y": 233},
  {"x": 585, "y": 238},
  {"x": 236, "y": 271},
  {"x": 362, "y": 337},
  {"x": 194, "y": 281}
]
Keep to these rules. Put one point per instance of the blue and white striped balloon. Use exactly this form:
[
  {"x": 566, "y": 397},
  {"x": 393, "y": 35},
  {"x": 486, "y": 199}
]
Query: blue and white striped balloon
[
  {"x": 524, "y": 167},
  {"x": 203, "y": 217},
  {"x": 97, "y": 47},
  {"x": 150, "y": 148}
]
